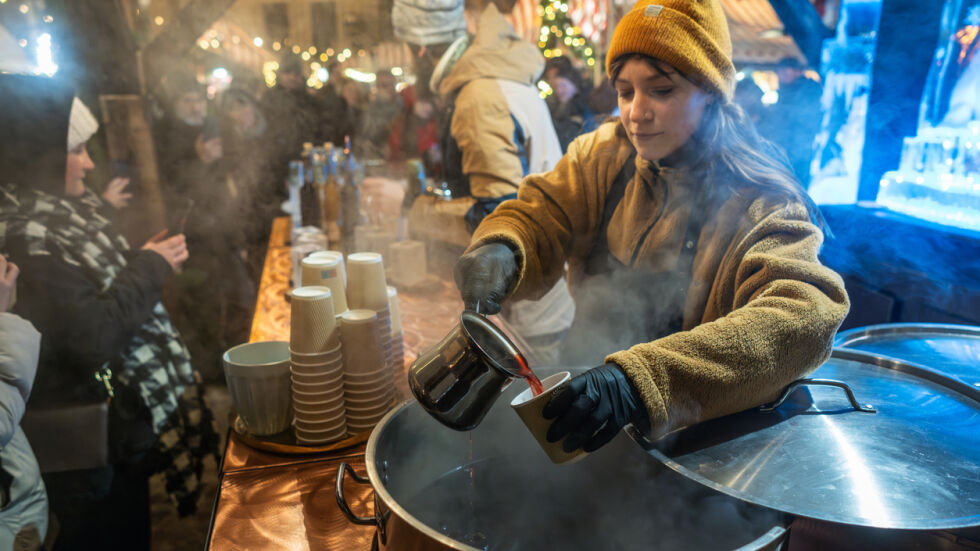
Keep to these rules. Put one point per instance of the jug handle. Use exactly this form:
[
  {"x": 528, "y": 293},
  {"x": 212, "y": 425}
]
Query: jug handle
[{"x": 342, "y": 501}]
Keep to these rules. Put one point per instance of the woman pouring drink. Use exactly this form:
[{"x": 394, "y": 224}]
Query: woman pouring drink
[{"x": 692, "y": 249}]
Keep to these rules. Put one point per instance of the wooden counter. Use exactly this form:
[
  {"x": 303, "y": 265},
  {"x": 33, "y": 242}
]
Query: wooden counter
[{"x": 270, "y": 501}]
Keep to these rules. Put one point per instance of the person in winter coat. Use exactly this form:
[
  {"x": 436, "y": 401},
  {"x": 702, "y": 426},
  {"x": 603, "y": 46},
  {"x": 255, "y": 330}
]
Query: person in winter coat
[
  {"x": 790, "y": 122},
  {"x": 248, "y": 165},
  {"x": 692, "y": 250},
  {"x": 23, "y": 501},
  {"x": 500, "y": 131},
  {"x": 106, "y": 333},
  {"x": 569, "y": 105}
]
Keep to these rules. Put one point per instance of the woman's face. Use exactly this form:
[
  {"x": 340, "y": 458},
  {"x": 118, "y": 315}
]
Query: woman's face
[
  {"x": 564, "y": 88},
  {"x": 660, "y": 110},
  {"x": 243, "y": 113},
  {"x": 77, "y": 165}
]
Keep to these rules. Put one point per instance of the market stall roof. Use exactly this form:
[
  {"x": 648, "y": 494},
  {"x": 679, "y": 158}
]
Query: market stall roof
[{"x": 758, "y": 36}]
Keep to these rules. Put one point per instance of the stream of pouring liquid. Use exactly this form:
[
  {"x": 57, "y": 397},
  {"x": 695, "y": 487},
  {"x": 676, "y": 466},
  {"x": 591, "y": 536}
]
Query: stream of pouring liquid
[{"x": 532, "y": 379}]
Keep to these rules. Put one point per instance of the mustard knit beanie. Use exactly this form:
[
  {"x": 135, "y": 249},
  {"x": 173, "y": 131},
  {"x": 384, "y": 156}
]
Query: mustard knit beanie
[{"x": 690, "y": 35}]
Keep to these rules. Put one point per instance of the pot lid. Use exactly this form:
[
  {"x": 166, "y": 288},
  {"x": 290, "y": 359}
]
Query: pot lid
[
  {"x": 912, "y": 463},
  {"x": 951, "y": 349}
]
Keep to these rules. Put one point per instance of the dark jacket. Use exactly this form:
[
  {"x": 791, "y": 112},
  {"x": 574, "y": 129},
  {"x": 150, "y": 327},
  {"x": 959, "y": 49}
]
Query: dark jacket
[{"x": 91, "y": 326}]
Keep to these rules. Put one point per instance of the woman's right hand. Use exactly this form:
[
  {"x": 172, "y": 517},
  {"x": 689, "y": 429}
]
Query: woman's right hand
[
  {"x": 8, "y": 281},
  {"x": 485, "y": 275},
  {"x": 172, "y": 249}
]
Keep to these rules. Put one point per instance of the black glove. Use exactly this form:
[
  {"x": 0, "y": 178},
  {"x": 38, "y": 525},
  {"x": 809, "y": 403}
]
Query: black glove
[
  {"x": 593, "y": 407},
  {"x": 484, "y": 275}
]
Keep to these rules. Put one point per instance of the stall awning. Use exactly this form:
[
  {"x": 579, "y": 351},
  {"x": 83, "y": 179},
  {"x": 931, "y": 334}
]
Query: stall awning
[{"x": 757, "y": 33}]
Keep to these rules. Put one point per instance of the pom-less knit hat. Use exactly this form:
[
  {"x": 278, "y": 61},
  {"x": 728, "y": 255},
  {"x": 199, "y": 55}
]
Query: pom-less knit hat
[
  {"x": 426, "y": 22},
  {"x": 81, "y": 124},
  {"x": 690, "y": 35}
]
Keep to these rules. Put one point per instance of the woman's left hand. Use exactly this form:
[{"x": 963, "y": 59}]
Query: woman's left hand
[
  {"x": 8, "y": 283},
  {"x": 593, "y": 407},
  {"x": 114, "y": 194}
]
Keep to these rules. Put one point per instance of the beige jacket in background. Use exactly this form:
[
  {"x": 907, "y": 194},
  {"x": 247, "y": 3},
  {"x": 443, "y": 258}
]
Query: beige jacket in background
[{"x": 761, "y": 310}]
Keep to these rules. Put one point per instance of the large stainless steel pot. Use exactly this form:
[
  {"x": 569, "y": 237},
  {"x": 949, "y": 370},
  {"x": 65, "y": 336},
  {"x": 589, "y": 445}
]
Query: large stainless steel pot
[{"x": 493, "y": 488}]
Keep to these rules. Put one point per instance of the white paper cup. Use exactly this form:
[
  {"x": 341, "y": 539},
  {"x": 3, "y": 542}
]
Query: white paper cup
[
  {"x": 320, "y": 437},
  {"x": 327, "y": 386},
  {"x": 366, "y": 284},
  {"x": 358, "y": 427},
  {"x": 337, "y": 362},
  {"x": 334, "y": 376},
  {"x": 305, "y": 396},
  {"x": 316, "y": 371},
  {"x": 407, "y": 259},
  {"x": 339, "y": 256},
  {"x": 318, "y": 358},
  {"x": 327, "y": 271},
  {"x": 257, "y": 375},
  {"x": 332, "y": 413},
  {"x": 313, "y": 323},
  {"x": 326, "y": 425},
  {"x": 370, "y": 400},
  {"x": 381, "y": 376},
  {"x": 362, "y": 342},
  {"x": 325, "y": 410},
  {"x": 529, "y": 408},
  {"x": 366, "y": 394}
]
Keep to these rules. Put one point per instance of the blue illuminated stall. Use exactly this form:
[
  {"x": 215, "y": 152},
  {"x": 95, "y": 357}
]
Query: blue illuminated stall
[{"x": 909, "y": 247}]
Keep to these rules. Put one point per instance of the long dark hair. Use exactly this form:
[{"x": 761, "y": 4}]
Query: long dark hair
[{"x": 729, "y": 145}]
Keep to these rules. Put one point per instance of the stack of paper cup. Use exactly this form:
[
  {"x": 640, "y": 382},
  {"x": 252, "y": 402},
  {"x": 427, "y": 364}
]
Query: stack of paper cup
[
  {"x": 368, "y": 386},
  {"x": 316, "y": 367},
  {"x": 397, "y": 336},
  {"x": 327, "y": 271},
  {"x": 367, "y": 289}
]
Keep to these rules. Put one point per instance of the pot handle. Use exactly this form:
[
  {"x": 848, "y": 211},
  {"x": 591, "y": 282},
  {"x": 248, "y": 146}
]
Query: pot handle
[
  {"x": 867, "y": 408},
  {"x": 342, "y": 501}
]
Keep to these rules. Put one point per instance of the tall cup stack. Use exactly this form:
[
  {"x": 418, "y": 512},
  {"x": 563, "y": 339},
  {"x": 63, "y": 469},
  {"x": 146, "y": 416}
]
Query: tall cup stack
[
  {"x": 316, "y": 367},
  {"x": 368, "y": 386},
  {"x": 367, "y": 289}
]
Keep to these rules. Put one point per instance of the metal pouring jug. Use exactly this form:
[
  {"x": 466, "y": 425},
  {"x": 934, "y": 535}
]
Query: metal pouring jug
[{"x": 459, "y": 379}]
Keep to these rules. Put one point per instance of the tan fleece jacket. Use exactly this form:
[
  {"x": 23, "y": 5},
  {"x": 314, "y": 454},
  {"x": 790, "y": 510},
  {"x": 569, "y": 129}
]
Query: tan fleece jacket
[{"x": 761, "y": 310}]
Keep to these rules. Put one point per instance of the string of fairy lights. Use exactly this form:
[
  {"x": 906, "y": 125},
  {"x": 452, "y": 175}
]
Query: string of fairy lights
[{"x": 216, "y": 40}]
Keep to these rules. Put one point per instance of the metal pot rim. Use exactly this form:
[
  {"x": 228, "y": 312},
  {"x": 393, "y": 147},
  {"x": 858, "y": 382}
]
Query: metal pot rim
[{"x": 381, "y": 491}]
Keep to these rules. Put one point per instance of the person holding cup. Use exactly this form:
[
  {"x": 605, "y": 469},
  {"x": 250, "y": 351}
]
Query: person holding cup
[
  {"x": 692, "y": 249},
  {"x": 107, "y": 339}
]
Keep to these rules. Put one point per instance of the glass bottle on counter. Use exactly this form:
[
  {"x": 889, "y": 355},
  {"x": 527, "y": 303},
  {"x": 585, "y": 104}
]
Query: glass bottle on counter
[
  {"x": 295, "y": 184},
  {"x": 350, "y": 197},
  {"x": 309, "y": 200},
  {"x": 331, "y": 195}
]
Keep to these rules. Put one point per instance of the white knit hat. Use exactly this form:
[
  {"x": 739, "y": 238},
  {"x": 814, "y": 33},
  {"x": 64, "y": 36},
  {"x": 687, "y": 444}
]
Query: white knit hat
[
  {"x": 425, "y": 22},
  {"x": 81, "y": 124}
]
